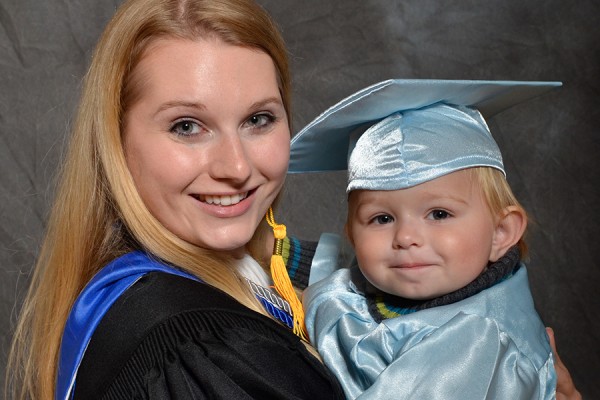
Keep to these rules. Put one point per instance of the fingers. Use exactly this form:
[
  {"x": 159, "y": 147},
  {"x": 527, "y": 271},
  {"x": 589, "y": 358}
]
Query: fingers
[{"x": 565, "y": 388}]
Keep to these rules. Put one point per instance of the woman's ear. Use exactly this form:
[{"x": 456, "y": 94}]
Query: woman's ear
[{"x": 509, "y": 229}]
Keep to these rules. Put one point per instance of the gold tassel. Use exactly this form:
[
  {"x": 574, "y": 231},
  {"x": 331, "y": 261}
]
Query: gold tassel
[{"x": 281, "y": 279}]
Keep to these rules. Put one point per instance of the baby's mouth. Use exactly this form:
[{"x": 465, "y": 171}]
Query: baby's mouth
[{"x": 221, "y": 200}]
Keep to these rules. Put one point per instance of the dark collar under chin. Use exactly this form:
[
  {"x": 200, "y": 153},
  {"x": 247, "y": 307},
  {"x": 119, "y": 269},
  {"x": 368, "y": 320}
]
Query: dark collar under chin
[{"x": 384, "y": 306}]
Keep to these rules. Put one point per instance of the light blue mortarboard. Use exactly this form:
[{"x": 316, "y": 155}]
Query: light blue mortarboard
[{"x": 409, "y": 131}]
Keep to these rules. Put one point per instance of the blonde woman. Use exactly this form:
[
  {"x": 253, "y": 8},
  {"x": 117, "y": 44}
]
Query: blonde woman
[{"x": 180, "y": 147}]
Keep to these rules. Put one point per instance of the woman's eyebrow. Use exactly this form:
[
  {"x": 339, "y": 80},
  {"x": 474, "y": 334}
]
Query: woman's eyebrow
[
  {"x": 263, "y": 103},
  {"x": 201, "y": 106},
  {"x": 180, "y": 103}
]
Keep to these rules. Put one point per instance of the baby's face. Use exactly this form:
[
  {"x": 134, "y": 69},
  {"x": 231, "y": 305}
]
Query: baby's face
[{"x": 424, "y": 241}]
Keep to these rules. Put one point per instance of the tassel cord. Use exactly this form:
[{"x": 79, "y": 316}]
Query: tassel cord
[{"x": 281, "y": 279}]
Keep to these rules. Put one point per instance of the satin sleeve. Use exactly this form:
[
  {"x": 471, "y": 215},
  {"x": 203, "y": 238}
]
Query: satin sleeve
[
  {"x": 465, "y": 355},
  {"x": 468, "y": 358}
]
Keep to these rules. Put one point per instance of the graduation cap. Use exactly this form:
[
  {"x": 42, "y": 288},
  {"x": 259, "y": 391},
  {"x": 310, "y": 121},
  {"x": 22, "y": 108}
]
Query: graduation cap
[{"x": 404, "y": 132}]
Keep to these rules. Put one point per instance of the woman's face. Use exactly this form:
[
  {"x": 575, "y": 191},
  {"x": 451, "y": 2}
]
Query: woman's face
[{"x": 207, "y": 140}]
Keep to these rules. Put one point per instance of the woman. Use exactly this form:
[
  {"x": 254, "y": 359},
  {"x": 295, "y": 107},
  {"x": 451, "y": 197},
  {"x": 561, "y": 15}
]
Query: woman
[
  {"x": 179, "y": 149},
  {"x": 184, "y": 110}
]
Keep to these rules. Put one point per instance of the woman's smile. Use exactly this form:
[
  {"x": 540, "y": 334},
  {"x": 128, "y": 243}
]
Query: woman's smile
[{"x": 221, "y": 200}]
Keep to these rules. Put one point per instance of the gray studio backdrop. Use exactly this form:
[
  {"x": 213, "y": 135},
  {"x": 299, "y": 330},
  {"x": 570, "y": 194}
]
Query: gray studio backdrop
[{"x": 550, "y": 144}]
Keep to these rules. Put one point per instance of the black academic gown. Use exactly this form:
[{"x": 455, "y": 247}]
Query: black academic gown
[{"x": 170, "y": 337}]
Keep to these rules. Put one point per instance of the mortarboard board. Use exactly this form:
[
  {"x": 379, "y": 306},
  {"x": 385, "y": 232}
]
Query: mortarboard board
[{"x": 410, "y": 130}]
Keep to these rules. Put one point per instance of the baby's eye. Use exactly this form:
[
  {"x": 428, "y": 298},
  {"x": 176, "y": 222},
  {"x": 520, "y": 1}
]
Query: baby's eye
[
  {"x": 185, "y": 128},
  {"x": 260, "y": 121},
  {"x": 383, "y": 219},
  {"x": 438, "y": 215}
]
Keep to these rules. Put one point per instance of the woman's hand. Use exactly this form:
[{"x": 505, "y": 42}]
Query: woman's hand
[{"x": 565, "y": 388}]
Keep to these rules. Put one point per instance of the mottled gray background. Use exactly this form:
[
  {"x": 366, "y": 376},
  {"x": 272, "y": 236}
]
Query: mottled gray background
[{"x": 550, "y": 144}]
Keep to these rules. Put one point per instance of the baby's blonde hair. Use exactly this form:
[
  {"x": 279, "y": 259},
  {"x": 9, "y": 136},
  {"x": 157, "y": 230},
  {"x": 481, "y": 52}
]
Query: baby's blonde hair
[{"x": 498, "y": 195}]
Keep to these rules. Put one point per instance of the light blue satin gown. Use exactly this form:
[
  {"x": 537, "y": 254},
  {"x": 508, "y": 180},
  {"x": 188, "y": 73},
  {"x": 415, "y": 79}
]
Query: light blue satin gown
[{"x": 489, "y": 346}]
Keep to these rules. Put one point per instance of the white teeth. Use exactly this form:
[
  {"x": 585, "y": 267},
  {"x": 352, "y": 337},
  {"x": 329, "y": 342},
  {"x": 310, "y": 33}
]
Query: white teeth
[
  {"x": 224, "y": 200},
  {"x": 227, "y": 200}
]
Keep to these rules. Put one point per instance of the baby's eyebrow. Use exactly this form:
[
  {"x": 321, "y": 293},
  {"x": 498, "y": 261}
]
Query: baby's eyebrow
[{"x": 449, "y": 196}]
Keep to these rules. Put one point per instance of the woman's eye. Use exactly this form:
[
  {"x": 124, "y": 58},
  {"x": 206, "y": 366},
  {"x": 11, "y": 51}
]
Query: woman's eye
[
  {"x": 438, "y": 215},
  {"x": 260, "y": 121},
  {"x": 383, "y": 219},
  {"x": 185, "y": 128}
]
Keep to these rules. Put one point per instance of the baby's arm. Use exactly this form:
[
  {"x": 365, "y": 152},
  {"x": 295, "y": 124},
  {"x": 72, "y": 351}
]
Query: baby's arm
[{"x": 468, "y": 358}]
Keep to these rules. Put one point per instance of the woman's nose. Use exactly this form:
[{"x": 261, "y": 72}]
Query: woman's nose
[{"x": 230, "y": 160}]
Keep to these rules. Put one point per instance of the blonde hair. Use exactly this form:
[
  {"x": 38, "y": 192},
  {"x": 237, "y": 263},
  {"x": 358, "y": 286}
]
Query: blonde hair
[
  {"x": 495, "y": 190},
  {"x": 498, "y": 195},
  {"x": 98, "y": 213}
]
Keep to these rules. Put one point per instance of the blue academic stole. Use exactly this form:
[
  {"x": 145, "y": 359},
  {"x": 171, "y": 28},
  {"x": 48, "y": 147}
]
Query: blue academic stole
[
  {"x": 91, "y": 306},
  {"x": 101, "y": 293}
]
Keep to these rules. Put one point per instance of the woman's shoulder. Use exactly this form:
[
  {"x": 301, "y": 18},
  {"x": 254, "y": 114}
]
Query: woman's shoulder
[
  {"x": 173, "y": 333},
  {"x": 155, "y": 299}
]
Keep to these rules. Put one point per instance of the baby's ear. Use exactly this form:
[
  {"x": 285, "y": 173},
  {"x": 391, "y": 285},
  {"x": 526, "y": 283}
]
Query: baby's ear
[{"x": 509, "y": 229}]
